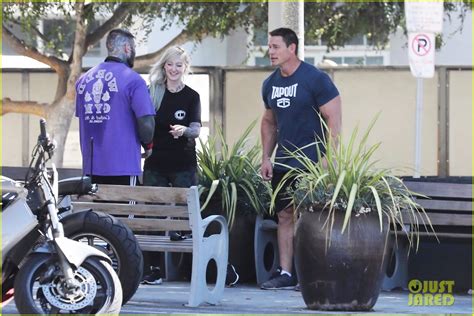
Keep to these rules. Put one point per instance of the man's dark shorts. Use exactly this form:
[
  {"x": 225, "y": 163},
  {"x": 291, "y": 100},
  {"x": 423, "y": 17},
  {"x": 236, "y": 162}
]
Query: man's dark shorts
[
  {"x": 283, "y": 199},
  {"x": 178, "y": 179},
  {"x": 116, "y": 180}
]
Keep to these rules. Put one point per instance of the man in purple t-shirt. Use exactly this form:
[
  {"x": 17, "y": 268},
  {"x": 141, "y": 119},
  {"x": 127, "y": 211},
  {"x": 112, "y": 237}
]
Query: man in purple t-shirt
[{"x": 115, "y": 114}]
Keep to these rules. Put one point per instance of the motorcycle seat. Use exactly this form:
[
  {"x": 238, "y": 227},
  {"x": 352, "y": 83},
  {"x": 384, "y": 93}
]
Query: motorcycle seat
[
  {"x": 75, "y": 186},
  {"x": 7, "y": 198},
  {"x": 11, "y": 190}
]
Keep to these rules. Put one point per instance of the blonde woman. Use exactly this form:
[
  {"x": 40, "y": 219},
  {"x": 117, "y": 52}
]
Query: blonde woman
[{"x": 177, "y": 125}]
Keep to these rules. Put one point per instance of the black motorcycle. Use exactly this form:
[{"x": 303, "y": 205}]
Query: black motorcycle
[
  {"x": 102, "y": 231},
  {"x": 46, "y": 272}
]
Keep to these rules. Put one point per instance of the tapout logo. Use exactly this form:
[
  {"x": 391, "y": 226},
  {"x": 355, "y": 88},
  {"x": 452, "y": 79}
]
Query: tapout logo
[{"x": 283, "y": 94}]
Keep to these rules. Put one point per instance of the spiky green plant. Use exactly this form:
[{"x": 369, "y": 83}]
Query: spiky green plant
[
  {"x": 346, "y": 180},
  {"x": 229, "y": 175}
]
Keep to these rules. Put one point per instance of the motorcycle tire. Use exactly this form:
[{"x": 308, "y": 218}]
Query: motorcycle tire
[
  {"x": 100, "y": 290},
  {"x": 116, "y": 239}
]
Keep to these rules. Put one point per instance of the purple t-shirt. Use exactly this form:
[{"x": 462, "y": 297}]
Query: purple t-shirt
[{"x": 109, "y": 99}]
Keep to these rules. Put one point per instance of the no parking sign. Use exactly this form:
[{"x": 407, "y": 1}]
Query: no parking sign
[
  {"x": 424, "y": 19},
  {"x": 421, "y": 54}
]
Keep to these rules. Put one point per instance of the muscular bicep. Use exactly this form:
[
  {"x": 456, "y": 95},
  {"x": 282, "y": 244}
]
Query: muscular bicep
[
  {"x": 268, "y": 130},
  {"x": 332, "y": 114},
  {"x": 268, "y": 118}
]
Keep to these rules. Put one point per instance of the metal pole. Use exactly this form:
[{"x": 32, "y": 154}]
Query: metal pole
[
  {"x": 418, "y": 126},
  {"x": 293, "y": 17},
  {"x": 25, "y": 120}
]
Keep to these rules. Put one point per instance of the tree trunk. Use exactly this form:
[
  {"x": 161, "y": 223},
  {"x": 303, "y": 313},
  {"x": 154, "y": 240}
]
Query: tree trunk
[
  {"x": 63, "y": 109},
  {"x": 59, "y": 120}
]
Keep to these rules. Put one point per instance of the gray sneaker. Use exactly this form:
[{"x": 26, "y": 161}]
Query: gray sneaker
[{"x": 280, "y": 282}]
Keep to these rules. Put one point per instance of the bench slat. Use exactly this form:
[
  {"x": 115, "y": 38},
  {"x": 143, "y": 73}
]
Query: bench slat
[
  {"x": 444, "y": 234},
  {"x": 439, "y": 189},
  {"x": 164, "y": 248},
  {"x": 447, "y": 219},
  {"x": 441, "y": 205},
  {"x": 142, "y": 193},
  {"x": 149, "y": 224},
  {"x": 163, "y": 243},
  {"x": 401, "y": 235},
  {"x": 136, "y": 209}
]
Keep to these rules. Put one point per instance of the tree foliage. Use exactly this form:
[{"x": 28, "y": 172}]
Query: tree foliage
[
  {"x": 76, "y": 31},
  {"x": 79, "y": 26},
  {"x": 336, "y": 23},
  {"x": 198, "y": 19}
]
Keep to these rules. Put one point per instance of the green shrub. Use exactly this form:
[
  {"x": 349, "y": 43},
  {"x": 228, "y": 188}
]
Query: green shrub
[
  {"x": 230, "y": 177},
  {"x": 349, "y": 182}
]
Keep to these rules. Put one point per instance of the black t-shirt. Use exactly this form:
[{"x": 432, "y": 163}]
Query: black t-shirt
[{"x": 170, "y": 154}]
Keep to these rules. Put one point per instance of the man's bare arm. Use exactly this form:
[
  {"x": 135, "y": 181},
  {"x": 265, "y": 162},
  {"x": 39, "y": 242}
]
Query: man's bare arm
[
  {"x": 268, "y": 130},
  {"x": 332, "y": 114}
]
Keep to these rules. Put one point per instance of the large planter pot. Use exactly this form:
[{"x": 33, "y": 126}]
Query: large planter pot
[
  {"x": 241, "y": 246},
  {"x": 348, "y": 274}
]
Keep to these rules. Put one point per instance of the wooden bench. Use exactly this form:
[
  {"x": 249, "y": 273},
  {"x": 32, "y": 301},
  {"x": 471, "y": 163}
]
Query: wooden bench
[
  {"x": 159, "y": 209},
  {"x": 449, "y": 207}
]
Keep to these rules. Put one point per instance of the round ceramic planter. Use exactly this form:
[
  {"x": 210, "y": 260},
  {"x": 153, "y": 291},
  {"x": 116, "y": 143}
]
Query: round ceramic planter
[{"x": 348, "y": 274}]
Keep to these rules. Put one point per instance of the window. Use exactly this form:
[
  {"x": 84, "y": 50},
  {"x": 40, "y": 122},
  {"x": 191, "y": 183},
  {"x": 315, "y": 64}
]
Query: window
[
  {"x": 356, "y": 40},
  {"x": 62, "y": 34},
  {"x": 337, "y": 60},
  {"x": 374, "y": 60},
  {"x": 354, "y": 60},
  {"x": 262, "y": 61},
  {"x": 357, "y": 60},
  {"x": 359, "y": 40},
  {"x": 310, "y": 40},
  {"x": 260, "y": 37},
  {"x": 18, "y": 32},
  {"x": 309, "y": 60}
]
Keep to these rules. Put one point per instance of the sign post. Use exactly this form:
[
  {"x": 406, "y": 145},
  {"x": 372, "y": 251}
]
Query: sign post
[{"x": 424, "y": 19}]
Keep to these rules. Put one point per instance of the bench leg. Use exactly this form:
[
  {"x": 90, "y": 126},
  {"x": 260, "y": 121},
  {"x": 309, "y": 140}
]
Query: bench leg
[
  {"x": 266, "y": 249},
  {"x": 214, "y": 247},
  {"x": 396, "y": 275}
]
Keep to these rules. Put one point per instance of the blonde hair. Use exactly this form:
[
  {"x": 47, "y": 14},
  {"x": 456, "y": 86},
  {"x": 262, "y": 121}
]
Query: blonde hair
[{"x": 158, "y": 74}]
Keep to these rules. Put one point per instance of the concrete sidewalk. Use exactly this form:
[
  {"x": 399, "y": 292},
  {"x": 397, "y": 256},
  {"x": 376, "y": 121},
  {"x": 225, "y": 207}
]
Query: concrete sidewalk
[{"x": 171, "y": 297}]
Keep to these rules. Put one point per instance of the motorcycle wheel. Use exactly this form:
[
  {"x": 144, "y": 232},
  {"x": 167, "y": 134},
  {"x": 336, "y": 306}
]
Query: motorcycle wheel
[
  {"x": 116, "y": 240},
  {"x": 39, "y": 288}
]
